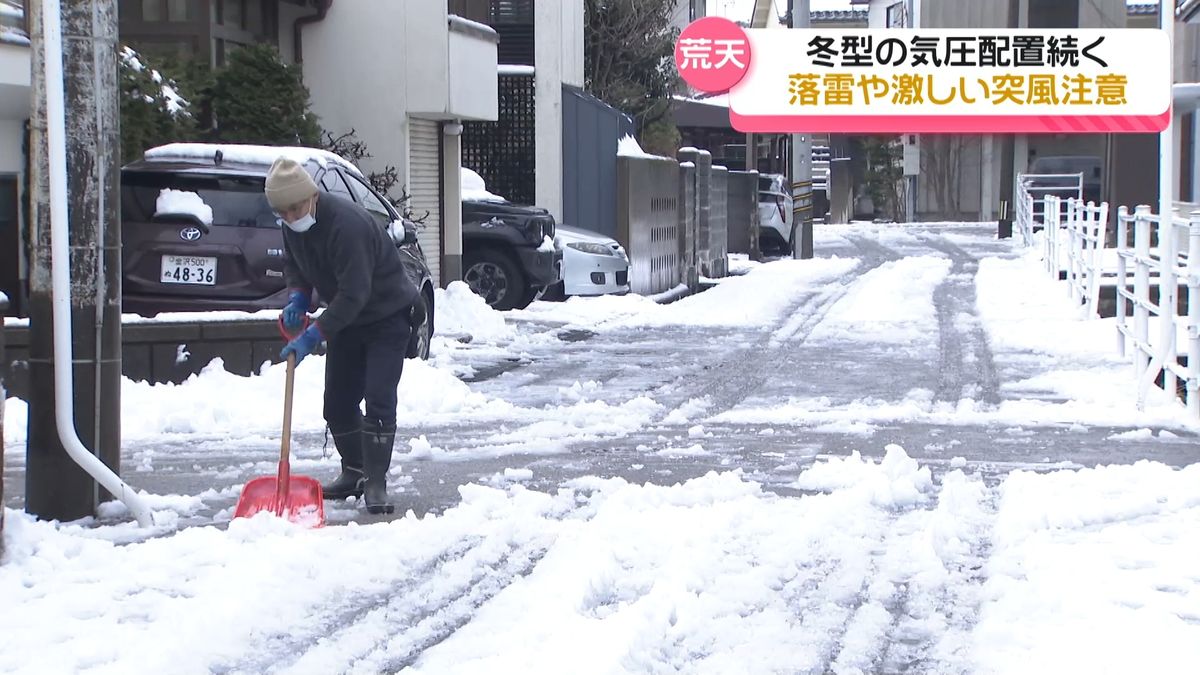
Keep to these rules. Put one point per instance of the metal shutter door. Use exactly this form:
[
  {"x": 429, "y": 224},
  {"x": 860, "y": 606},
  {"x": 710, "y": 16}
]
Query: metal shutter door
[{"x": 424, "y": 176}]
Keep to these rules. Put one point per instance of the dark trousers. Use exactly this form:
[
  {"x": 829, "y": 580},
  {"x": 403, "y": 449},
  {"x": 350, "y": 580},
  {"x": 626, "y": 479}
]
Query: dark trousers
[{"x": 365, "y": 362}]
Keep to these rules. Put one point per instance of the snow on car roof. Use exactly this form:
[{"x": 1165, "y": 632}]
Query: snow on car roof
[{"x": 248, "y": 154}]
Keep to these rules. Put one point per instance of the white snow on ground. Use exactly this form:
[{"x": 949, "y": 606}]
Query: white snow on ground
[
  {"x": 876, "y": 564},
  {"x": 892, "y": 303},
  {"x": 176, "y": 202},
  {"x": 1089, "y": 571},
  {"x": 1025, "y": 313},
  {"x": 461, "y": 312},
  {"x": 758, "y": 298}
]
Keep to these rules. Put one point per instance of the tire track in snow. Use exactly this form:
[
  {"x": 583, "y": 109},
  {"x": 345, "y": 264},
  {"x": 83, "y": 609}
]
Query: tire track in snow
[
  {"x": 967, "y": 367},
  {"x": 388, "y": 629},
  {"x": 739, "y": 374}
]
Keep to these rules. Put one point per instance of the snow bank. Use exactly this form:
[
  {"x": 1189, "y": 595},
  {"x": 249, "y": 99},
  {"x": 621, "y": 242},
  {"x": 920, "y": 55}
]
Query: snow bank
[
  {"x": 897, "y": 481},
  {"x": 218, "y": 403},
  {"x": 460, "y": 311},
  {"x": 177, "y": 202}
]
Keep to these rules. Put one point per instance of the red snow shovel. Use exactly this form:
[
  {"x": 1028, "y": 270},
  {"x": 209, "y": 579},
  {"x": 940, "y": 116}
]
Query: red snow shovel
[{"x": 298, "y": 498}]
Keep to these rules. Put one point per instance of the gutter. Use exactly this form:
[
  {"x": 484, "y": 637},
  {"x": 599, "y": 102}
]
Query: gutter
[
  {"x": 64, "y": 404},
  {"x": 297, "y": 39}
]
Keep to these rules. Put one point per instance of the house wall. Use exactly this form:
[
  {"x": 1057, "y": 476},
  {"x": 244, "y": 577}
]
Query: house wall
[
  {"x": 556, "y": 63},
  {"x": 350, "y": 89}
]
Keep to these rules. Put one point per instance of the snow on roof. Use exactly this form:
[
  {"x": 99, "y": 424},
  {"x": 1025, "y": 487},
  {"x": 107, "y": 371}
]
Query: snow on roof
[
  {"x": 514, "y": 69},
  {"x": 249, "y": 154},
  {"x": 454, "y": 18},
  {"x": 178, "y": 202},
  {"x": 474, "y": 188}
]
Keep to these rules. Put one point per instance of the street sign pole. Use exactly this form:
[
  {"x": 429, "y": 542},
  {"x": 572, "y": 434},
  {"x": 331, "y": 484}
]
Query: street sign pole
[{"x": 802, "y": 192}]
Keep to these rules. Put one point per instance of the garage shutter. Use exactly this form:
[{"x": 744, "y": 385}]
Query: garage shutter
[{"x": 425, "y": 175}]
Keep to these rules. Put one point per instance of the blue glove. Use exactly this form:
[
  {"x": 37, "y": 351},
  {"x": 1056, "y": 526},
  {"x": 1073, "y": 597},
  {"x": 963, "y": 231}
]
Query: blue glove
[
  {"x": 303, "y": 345},
  {"x": 297, "y": 307}
]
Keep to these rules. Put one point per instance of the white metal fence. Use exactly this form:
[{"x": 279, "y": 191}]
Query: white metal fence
[
  {"x": 1073, "y": 244},
  {"x": 1031, "y": 192},
  {"x": 1157, "y": 251},
  {"x": 1163, "y": 337}
]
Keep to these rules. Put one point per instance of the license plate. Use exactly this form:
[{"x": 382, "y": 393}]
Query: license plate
[{"x": 186, "y": 269}]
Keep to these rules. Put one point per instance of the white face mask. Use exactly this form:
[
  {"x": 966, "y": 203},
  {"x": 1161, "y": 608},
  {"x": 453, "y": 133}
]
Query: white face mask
[{"x": 301, "y": 224}]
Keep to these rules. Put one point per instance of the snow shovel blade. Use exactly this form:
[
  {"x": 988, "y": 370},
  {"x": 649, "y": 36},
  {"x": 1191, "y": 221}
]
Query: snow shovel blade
[
  {"x": 298, "y": 498},
  {"x": 302, "y": 502}
]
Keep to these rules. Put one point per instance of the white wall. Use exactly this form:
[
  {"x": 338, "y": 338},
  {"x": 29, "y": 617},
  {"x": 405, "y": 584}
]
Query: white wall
[
  {"x": 472, "y": 97},
  {"x": 547, "y": 84},
  {"x": 426, "y": 44},
  {"x": 363, "y": 89},
  {"x": 574, "y": 15}
]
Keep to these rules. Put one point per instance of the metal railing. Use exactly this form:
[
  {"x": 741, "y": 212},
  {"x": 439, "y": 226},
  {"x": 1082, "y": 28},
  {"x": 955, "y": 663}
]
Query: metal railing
[
  {"x": 1156, "y": 352},
  {"x": 1073, "y": 241},
  {"x": 1030, "y": 192}
]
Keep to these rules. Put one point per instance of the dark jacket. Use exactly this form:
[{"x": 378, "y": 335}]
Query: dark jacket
[{"x": 352, "y": 263}]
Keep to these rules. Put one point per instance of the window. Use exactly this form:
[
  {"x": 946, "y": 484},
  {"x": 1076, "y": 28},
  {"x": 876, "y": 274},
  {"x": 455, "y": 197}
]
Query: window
[
  {"x": 236, "y": 201},
  {"x": 369, "y": 201},
  {"x": 332, "y": 181},
  {"x": 897, "y": 15}
]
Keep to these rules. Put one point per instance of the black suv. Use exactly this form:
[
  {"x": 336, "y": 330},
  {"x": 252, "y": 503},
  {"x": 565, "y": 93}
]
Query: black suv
[
  {"x": 218, "y": 245},
  {"x": 506, "y": 258}
]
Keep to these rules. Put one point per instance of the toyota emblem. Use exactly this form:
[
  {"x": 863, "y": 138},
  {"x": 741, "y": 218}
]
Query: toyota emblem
[{"x": 190, "y": 234}]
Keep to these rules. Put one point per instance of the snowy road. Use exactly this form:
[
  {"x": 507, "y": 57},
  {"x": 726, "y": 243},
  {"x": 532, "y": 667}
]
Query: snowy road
[{"x": 906, "y": 455}]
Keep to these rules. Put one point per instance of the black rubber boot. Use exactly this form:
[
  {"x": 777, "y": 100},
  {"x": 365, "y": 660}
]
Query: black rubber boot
[
  {"x": 377, "y": 459},
  {"x": 349, "y": 483}
]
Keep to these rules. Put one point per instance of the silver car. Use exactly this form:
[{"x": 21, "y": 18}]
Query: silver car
[{"x": 593, "y": 264}]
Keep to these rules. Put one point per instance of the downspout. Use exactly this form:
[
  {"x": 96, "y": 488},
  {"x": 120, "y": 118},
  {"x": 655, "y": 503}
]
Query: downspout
[
  {"x": 297, "y": 40},
  {"x": 64, "y": 410}
]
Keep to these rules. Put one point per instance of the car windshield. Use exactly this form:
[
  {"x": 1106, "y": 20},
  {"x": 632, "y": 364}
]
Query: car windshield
[{"x": 236, "y": 201}]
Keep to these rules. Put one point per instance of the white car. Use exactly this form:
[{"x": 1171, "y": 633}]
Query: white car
[
  {"x": 593, "y": 264},
  {"x": 774, "y": 214}
]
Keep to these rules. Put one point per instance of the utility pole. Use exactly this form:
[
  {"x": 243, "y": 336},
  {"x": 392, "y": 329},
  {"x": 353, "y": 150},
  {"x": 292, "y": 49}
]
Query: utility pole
[
  {"x": 1008, "y": 144},
  {"x": 802, "y": 202},
  {"x": 56, "y": 486}
]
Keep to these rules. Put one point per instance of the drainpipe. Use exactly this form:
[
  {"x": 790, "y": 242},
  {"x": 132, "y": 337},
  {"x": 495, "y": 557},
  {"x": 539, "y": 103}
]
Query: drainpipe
[
  {"x": 322, "y": 9},
  {"x": 61, "y": 274}
]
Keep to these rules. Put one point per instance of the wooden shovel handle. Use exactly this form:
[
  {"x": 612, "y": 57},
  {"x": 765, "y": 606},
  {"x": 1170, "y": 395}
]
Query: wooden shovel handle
[{"x": 285, "y": 472}]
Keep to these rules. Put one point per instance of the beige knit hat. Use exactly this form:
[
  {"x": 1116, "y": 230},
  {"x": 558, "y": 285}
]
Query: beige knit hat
[{"x": 288, "y": 184}]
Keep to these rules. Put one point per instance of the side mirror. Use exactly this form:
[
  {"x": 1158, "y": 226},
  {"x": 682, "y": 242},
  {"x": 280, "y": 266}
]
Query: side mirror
[{"x": 402, "y": 233}]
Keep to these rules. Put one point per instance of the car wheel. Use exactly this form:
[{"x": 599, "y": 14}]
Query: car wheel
[
  {"x": 422, "y": 335},
  {"x": 493, "y": 276}
]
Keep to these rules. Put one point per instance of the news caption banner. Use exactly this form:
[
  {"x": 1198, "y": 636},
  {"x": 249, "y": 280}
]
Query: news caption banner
[{"x": 932, "y": 81}]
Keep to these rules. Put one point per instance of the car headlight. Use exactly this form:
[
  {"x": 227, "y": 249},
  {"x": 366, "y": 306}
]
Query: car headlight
[{"x": 588, "y": 247}]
